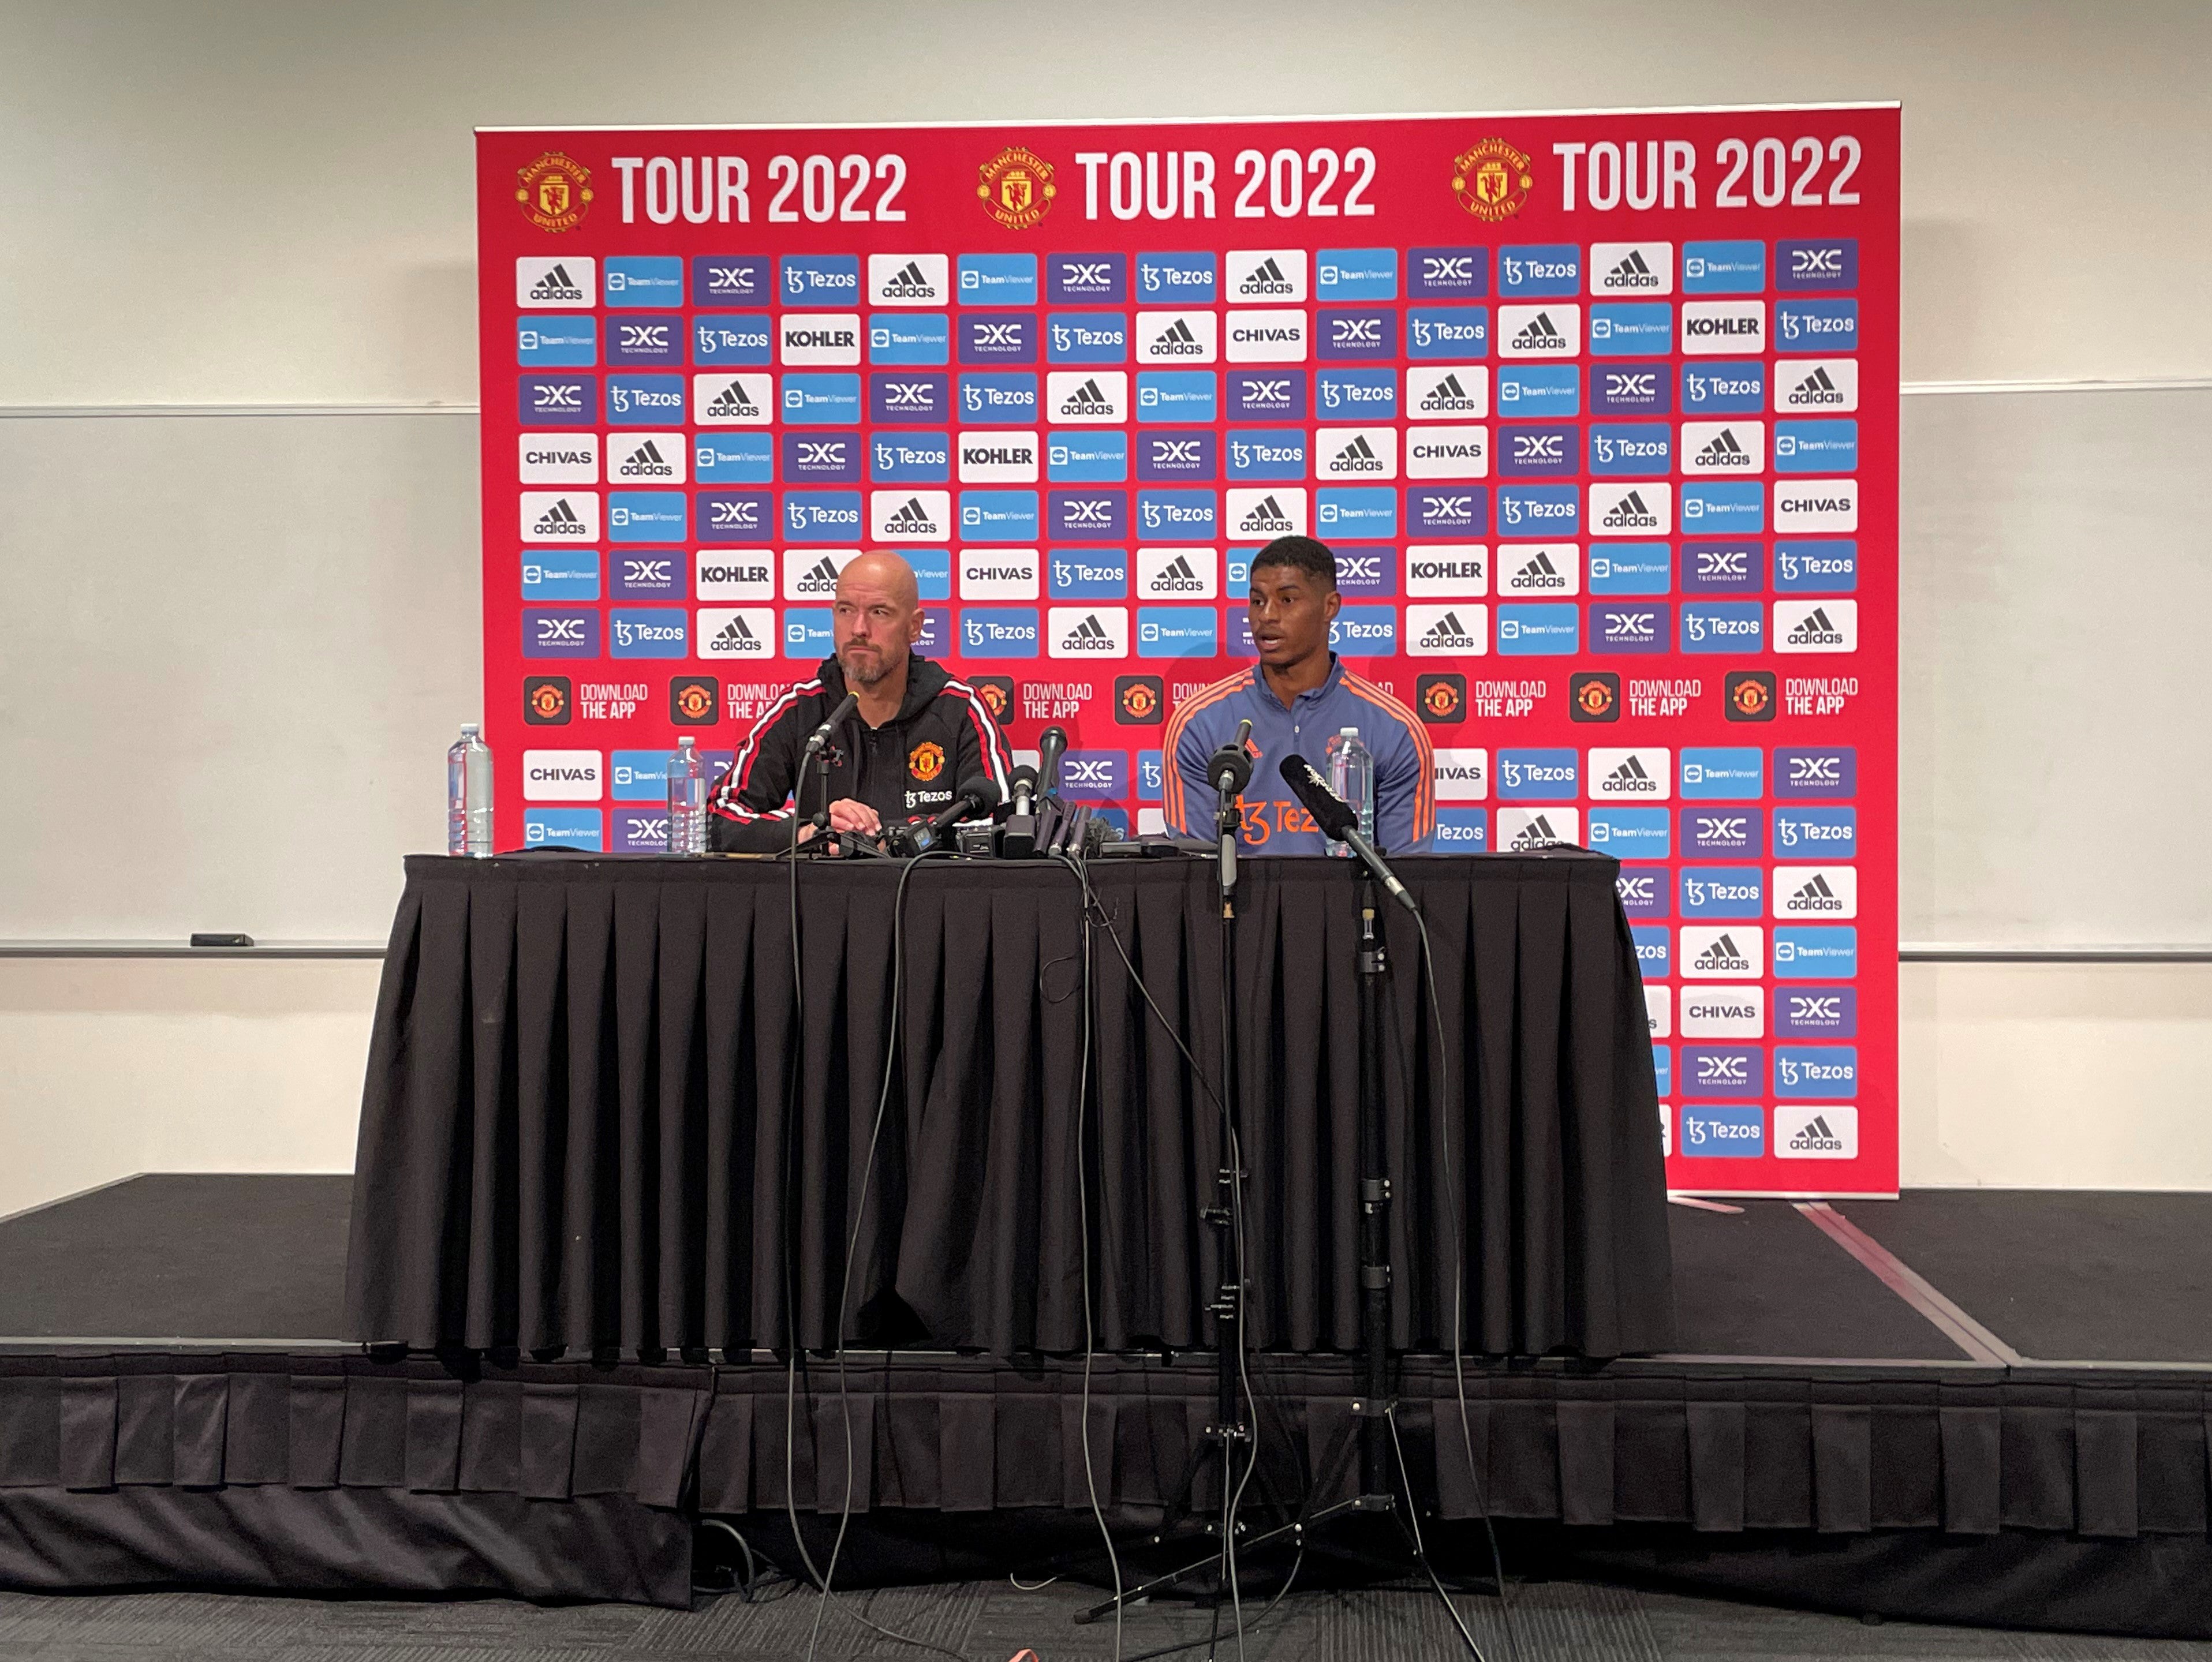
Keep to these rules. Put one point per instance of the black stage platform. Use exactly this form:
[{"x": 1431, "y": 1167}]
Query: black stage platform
[{"x": 1968, "y": 1405}]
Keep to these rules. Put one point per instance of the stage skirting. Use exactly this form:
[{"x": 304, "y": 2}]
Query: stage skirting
[{"x": 565, "y": 1480}]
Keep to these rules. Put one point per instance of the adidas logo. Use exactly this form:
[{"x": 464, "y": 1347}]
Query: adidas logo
[
  {"x": 1267, "y": 278},
  {"x": 1087, "y": 400},
  {"x": 1540, "y": 335},
  {"x": 1176, "y": 341},
  {"x": 646, "y": 462},
  {"x": 1267, "y": 516},
  {"x": 555, "y": 285},
  {"x": 1723, "y": 955},
  {"x": 1537, "y": 834},
  {"x": 1724, "y": 452},
  {"x": 731, "y": 401},
  {"x": 1630, "y": 779},
  {"x": 1816, "y": 630},
  {"x": 1814, "y": 390},
  {"x": 1632, "y": 273},
  {"x": 1814, "y": 896},
  {"x": 1537, "y": 573},
  {"x": 911, "y": 520},
  {"x": 1448, "y": 398},
  {"x": 1448, "y": 632},
  {"x": 1358, "y": 457},
  {"x": 821, "y": 578},
  {"x": 1088, "y": 636},
  {"x": 559, "y": 521},
  {"x": 910, "y": 285},
  {"x": 1629, "y": 514},
  {"x": 1177, "y": 577},
  {"x": 734, "y": 637},
  {"x": 1816, "y": 1137}
]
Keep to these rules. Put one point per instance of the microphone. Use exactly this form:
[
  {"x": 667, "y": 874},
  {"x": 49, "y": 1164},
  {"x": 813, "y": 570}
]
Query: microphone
[
  {"x": 1339, "y": 824},
  {"x": 820, "y": 735},
  {"x": 1017, "y": 835},
  {"x": 1231, "y": 766},
  {"x": 1050, "y": 748},
  {"x": 976, "y": 795}
]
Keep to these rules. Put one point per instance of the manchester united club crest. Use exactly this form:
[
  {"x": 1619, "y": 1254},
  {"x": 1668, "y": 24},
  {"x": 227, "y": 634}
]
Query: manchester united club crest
[
  {"x": 1750, "y": 696},
  {"x": 1140, "y": 700},
  {"x": 1594, "y": 696},
  {"x": 1441, "y": 700},
  {"x": 1492, "y": 180},
  {"x": 926, "y": 761},
  {"x": 1016, "y": 187},
  {"x": 554, "y": 192},
  {"x": 997, "y": 693}
]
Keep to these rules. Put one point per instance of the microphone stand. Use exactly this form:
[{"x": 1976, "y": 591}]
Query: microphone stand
[
  {"x": 1372, "y": 1430},
  {"x": 1231, "y": 769}
]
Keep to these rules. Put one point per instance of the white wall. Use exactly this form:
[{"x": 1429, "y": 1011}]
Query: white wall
[
  {"x": 233, "y": 202},
  {"x": 272, "y": 202},
  {"x": 110, "y": 1066}
]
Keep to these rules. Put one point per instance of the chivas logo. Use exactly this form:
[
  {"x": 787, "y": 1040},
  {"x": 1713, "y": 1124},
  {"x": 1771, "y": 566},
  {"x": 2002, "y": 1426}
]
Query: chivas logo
[
  {"x": 554, "y": 192},
  {"x": 1492, "y": 180},
  {"x": 1016, "y": 187}
]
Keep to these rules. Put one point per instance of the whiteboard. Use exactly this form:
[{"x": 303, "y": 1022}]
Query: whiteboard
[
  {"x": 233, "y": 651},
  {"x": 2055, "y": 581},
  {"x": 270, "y": 625}
]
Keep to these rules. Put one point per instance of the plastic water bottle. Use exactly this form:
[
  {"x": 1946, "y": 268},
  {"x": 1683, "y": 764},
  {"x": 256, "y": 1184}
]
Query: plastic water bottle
[
  {"x": 686, "y": 798},
  {"x": 468, "y": 794},
  {"x": 1352, "y": 776}
]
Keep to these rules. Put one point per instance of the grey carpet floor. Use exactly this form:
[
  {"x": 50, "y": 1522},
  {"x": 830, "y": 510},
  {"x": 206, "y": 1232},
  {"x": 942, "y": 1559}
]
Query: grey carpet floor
[{"x": 989, "y": 1622}]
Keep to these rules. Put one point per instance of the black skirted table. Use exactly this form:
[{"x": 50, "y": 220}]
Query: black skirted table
[{"x": 594, "y": 1120}]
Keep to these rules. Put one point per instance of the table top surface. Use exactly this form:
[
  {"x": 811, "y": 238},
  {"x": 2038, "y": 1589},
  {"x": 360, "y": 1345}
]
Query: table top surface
[{"x": 571, "y": 865}]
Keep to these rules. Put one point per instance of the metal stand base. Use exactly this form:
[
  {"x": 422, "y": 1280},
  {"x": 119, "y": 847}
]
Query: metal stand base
[{"x": 1372, "y": 1431}]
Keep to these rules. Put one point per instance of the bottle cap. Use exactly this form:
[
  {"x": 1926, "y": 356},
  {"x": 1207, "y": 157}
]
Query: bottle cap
[
  {"x": 1347, "y": 732},
  {"x": 685, "y": 742},
  {"x": 470, "y": 728}
]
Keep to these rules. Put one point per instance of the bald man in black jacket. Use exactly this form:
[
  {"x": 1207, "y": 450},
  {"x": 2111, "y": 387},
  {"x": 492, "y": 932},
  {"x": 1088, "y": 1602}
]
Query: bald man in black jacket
[{"x": 917, "y": 735}]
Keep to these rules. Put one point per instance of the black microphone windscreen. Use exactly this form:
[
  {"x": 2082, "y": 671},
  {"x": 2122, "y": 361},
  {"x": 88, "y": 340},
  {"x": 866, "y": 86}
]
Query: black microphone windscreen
[
  {"x": 1025, "y": 775},
  {"x": 1330, "y": 811},
  {"x": 980, "y": 791}
]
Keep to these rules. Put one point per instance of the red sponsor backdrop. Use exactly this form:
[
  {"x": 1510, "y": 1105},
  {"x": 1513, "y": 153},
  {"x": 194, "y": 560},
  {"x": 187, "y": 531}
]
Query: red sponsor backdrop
[{"x": 1627, "y": 508}]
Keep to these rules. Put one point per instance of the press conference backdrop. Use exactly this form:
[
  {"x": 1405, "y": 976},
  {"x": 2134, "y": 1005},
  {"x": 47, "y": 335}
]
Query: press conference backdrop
[{"x": 234, "y": 647}]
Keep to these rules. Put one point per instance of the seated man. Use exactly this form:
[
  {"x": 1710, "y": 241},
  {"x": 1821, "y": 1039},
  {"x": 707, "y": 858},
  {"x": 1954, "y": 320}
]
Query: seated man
[
  {"x": 917, "y": 735},
  {"x": 1297, "y": 697}
]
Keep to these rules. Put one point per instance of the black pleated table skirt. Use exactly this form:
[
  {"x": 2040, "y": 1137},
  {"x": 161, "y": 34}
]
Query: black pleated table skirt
[{"x": 596, "y": 1118}]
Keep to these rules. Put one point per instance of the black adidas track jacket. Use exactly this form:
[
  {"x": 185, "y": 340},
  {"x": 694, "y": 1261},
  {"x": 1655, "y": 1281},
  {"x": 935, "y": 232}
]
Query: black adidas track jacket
[{"x": 906, "y": 769}]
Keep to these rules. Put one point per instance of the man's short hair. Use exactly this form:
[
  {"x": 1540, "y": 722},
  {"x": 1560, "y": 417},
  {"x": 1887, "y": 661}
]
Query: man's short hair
[{"x": 1300, "y": 554}]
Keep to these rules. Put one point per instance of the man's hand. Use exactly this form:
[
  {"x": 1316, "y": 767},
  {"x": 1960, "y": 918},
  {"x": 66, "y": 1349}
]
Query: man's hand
[{"x": 845, "y": 814}]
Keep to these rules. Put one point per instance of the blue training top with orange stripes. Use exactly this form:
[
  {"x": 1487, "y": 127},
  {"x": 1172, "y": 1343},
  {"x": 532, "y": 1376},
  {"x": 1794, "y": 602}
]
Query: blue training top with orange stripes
[{"x": 1274, "y": 823}]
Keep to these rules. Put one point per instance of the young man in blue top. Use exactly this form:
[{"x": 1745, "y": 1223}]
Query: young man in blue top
[{"x": 1297, "y": 697}]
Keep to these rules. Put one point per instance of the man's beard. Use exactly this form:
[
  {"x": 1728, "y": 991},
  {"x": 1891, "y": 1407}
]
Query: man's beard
[{"x": 868, "y": 671}]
